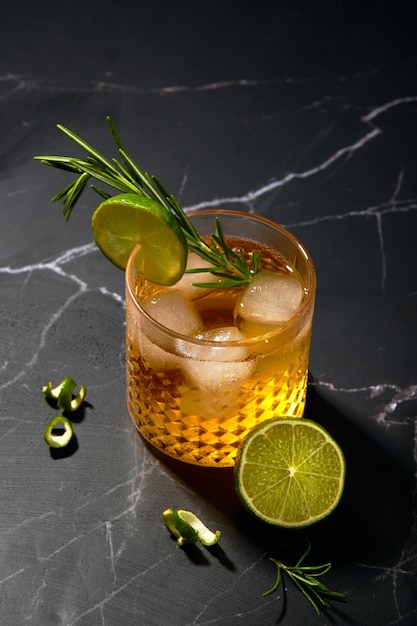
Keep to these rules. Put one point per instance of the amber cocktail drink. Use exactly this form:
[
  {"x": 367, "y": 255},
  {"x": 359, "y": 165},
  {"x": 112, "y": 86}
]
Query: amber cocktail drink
[{"x": 204, "y": 366}]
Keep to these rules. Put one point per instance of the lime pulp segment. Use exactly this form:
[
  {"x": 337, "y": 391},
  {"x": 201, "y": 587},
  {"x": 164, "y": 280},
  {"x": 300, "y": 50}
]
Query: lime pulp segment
[{"x": 290, "y": 472}]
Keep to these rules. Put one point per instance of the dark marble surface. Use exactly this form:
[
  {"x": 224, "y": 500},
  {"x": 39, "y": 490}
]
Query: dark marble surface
[{"x": 304, "y": 112}]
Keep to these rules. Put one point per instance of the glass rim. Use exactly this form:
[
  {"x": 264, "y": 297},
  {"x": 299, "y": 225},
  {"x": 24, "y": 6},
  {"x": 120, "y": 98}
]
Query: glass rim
[{"x": 275, "y": 331}]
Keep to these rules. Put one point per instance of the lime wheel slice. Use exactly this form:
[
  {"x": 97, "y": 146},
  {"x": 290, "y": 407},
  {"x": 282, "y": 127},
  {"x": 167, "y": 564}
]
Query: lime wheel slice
[{"x": 125, "y": 221}]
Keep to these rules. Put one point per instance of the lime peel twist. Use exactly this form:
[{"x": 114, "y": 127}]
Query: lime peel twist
[
  {"x": 53, "y": 435},
  {"x": 187, "y": 528},
  {"x": 63, "y": 394}
]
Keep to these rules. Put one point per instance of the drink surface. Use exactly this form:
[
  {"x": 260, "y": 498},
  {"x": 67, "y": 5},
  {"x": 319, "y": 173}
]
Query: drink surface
[{"x": 196, "y": 392}]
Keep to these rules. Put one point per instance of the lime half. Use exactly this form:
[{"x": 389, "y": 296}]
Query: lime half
[
  {"x": 290, "y": 472},
  {"x": 127, "y": 220}
]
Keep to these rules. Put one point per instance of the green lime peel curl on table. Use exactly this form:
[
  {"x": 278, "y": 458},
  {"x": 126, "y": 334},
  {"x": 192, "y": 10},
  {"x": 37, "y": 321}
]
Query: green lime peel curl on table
[
  {"x": 187, "y": 528},
  {"x": 63, "y": 394},
  {"x": 59, "y": 430}
]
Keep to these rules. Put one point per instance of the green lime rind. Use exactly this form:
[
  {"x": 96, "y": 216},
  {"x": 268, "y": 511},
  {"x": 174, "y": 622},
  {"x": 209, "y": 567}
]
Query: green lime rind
[
  {"x": 168, "y": 516},
  {"x": 125, "y": 221},
  {"x": 187, "y": 528},
  {"x": 62, "y": 394},
  {"x": 57, "y": 437},
  {"x": 290, "y": 472}
]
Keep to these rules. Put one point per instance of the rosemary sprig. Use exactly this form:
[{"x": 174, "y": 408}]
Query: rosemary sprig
[
  {"x": 229, "y": 266},
  {"x": 305, "y": 578}
]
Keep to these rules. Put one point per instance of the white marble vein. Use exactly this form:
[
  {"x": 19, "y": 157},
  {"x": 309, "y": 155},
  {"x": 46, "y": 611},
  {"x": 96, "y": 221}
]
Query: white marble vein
[
  {"x": 56, "y": 265},
  {"x": 344, "y": 152},
  {"x": 386, "y": 416},
  {"x": 27, "y": 84},
  {"x": 251, "y": 196},
  {"x": 199, "y": 618}
]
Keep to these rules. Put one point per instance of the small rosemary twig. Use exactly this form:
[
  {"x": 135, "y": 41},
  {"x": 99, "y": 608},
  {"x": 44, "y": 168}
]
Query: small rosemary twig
[{"x": 305, "y": 578}]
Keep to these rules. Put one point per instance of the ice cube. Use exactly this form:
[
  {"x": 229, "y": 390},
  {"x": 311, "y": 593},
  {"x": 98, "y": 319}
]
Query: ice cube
[
  {"x": 216, "y": 376},
  {"x": 230, "y": 353},
  {"x": 156, "y": 357},
  {"x": 155, "y": 349},
  {"x": 224, "y": 333},
  {"x": 185, "y": 284},
  {"x": 217, "y": 368},
  {"x": 203, "y": 352},
  {"x": 174, "y": 311},
  {"x": 270, "y": 299}
]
